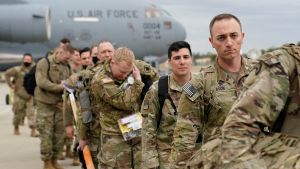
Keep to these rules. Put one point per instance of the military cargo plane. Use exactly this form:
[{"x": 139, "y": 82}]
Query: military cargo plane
[{"x": 36, "y": 26}]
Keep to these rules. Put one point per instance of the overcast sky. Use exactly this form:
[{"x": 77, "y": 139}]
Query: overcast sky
[{"x": 266, "y": 23}]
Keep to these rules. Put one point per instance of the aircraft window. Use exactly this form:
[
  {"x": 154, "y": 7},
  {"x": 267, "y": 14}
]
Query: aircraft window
[
  {"x": 152, "y": 12},
  {"x": 168, "y": 25}
]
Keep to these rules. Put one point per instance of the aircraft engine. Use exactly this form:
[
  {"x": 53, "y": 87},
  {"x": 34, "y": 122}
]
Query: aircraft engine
[{"x": 25, "y": 23}]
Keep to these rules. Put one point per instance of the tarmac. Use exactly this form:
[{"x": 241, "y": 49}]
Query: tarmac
[{"x": 19, "y": 151}]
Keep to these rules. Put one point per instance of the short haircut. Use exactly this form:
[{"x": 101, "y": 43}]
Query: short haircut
[
  {"x": 221, "y": 17},
  {"x": 27, "y": 54},
  {"x": 94, "y": 46},
  {"x": 86, "y": 49},
  {"x": 76, "y": 49},
  {"x": 65, "y": 40},
  {"x": 124, "y": 54},
  {"x": 176, "y": 46},
  {"x": 68, "y": 48},
  {"x": 104, "y": 41}
]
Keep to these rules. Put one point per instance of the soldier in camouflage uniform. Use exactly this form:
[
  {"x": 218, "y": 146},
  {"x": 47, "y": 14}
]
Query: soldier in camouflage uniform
[
  {"x": 88, "y": 130},
  {"x": 268, "y": 105},
  {"x": 23, "y": 103},
  {"x": 202, "y": 112},
  {"x": 116, "y": 101},
  {"x": 158, "y": 127},
  {"x": 48, "y": 94}
]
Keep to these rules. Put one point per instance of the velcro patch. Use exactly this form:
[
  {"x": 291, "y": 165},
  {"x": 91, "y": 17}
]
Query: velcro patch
[
  {"x": 189, "y": 89},
  {"x": 107, "y": 80}
]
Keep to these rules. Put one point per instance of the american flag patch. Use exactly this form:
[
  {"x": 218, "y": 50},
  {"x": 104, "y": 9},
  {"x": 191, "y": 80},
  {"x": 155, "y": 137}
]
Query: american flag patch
[{"x": 189, "y": 89}]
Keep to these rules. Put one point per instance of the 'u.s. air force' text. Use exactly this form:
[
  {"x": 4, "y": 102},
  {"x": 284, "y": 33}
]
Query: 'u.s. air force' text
[{"x": 110, "y": 13}]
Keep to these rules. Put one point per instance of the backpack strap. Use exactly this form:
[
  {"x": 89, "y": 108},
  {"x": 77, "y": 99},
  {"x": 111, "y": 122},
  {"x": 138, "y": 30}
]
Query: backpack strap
[
  {"x": 47, "y": 59},
  {"x": 163, "y": 94}
]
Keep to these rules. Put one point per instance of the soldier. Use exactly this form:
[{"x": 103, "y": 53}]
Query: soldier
[
  {"x": 116, "y": 101},
  {"x": 159, "y": 122},
  {"x": 269, "y": 104},
  {"x": 202, "y": 112},
  {"x": 94, "y": 53},
  {"x": 50, "y": 74},
  {"x": 23, "y": 103},
  {"x": 85, "y": 57},
  {"x": 88, "y": 130},
  {"x": 75, "y": 61}
]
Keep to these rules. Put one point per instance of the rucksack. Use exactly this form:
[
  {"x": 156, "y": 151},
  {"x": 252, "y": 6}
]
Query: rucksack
[
  {"x": 29, "y": 79},
  {"x": 294, "y": 51},
  {"x": 163, "y": 94},
  {"x": 147, "y": 83}
]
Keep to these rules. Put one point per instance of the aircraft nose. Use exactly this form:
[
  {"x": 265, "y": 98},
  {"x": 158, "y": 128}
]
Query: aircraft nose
[{"x": 179, "y": 31}]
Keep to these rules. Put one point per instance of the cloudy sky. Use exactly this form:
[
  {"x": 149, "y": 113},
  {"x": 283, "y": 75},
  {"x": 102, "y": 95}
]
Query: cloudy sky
[{"x": 266, "y": 23}]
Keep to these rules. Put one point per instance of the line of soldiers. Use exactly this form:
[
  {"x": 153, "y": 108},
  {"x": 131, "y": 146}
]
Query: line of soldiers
[{"x": 237, "y": 113}]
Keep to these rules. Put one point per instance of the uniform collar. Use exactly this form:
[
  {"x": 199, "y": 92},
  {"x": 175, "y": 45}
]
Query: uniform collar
[
  {"x": 174, "y": 85},
  {"x": 244, "y": 70},
  {"x": 108, "y": 71}
]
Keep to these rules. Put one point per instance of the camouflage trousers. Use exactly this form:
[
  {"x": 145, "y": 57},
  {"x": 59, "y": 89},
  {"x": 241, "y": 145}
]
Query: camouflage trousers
[
  {"x": 116, "y": 153},
  {"x": 51, "y": 129},
  {"x": 276, "y": 151},
  {"x": 94, "y": 144},
  {"x": 22, "y": 108}
]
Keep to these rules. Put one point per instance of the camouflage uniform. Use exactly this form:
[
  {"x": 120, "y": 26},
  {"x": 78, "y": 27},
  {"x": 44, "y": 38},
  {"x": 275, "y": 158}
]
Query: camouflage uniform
[
  {"x": 271, "y": 94},
  {"x": 156, "y": 143},
  {"x": 86, "y": 130},
  {"x": 23, "y": 103},
  {"x": 48, "y": 95},
  {"x": 203, "y": 113},
  {"x": 114, "y": 103}
]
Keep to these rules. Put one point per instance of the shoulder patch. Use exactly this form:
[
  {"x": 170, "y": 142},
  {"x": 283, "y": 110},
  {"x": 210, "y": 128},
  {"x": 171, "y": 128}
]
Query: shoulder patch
[
  {"x": 207, "y": 69},
  {"x": 189, "y": 89},
  {"x": 270, "y": 58},
  {"x": 107, "y": 80}
]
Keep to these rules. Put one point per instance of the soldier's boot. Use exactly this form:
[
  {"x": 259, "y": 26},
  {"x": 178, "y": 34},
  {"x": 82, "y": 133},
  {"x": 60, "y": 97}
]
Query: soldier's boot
[
  {"x": 48, "y": 165},
  {"x": 76, "y": 161},
  {"x": 61, "y": 156},
  {"x": 55, "y": 164},
  {"x": 16, "y": 130},
  {"x": 33, "y": 133},
  {"x": 69, "y": 152}
]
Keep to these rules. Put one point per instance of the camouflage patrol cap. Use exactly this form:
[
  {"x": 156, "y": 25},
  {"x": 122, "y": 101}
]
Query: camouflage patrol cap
[{"x": 124, "y": 54}]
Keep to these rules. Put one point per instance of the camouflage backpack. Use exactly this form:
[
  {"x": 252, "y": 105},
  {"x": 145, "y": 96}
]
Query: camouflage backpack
[{"x": 294, "y": 51}]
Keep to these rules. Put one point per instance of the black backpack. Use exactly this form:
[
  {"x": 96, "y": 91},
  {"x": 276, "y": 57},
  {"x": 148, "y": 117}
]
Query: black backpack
[
  {"x": 163, "y": 94},
  {"x": 29, "y": 79}
]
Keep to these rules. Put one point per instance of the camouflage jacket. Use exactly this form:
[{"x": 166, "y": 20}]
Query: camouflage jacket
[
  {"x": 93, "y": 128},
  {"x": 48, "y": 90},
  {"x": 156, "y": 142},
  {"x": 113, "y": 100},
  {"x": 202, "y": 114},
  {"x": 272, "y": 90},
  {"x": 17, "y": 74}
]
